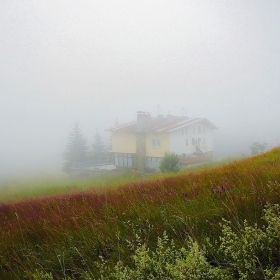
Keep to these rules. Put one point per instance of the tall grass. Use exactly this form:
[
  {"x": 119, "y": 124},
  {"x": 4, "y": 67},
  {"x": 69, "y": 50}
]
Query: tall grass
[{"x": 67, "y": 234}]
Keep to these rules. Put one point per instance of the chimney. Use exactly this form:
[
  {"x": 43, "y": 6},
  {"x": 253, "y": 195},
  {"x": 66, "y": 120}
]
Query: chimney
[
  {"x": 143, "y": 121},
  {"x": 169, "y": 118}
]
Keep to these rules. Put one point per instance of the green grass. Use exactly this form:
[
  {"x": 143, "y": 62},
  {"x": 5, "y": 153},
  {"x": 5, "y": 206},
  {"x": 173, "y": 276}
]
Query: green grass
[
  {"x": 66, "y": 233},
  {"x": 17, "y": 189},
  {"x": 27, "y": 188}
]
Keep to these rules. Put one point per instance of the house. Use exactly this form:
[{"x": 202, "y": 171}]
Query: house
[{"x": 142, "y": 143}]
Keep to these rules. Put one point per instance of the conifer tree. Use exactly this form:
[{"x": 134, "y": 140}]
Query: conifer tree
[
  {"x": 76, "y": 149},
  {"x": 97, "y": 149}
]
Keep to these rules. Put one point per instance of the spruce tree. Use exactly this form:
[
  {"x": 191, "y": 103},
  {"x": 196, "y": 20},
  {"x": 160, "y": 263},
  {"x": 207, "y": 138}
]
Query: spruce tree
[
  {"x": 97, "y": 149},
  {"x": 76, "y": 149}
]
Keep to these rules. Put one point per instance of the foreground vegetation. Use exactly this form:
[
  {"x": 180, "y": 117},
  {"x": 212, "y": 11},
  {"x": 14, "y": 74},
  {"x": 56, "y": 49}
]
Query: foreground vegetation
[{"x": 215, "y": 223}]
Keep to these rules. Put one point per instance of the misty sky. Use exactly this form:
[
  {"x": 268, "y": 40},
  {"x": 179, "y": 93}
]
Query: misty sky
[{"x": 92, "y": 61}]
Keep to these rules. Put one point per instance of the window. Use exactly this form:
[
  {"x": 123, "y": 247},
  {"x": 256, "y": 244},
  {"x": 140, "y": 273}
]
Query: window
[
  {"x": 129, "y": 161},
  {"x": 193, "y": 141},
  {"x": 194, "y": 130},
  {"x": 186, "y": 129},
  {"x": 187, "y": 142},
  {"x": 153, "y": 162},
  {"x": 123, "y": 159},
  {"x": 204, "y": 141},
  {"x": 156, "y": 143},
  {"x": 182, "y": 131},
  {"x": 199, "y": 130},
  {"x": 203, "y": 129}
]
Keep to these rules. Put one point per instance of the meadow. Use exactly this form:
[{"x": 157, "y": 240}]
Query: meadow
[
  {"x": 22, "y": 188},
  {"x": 216, "y": 222}
]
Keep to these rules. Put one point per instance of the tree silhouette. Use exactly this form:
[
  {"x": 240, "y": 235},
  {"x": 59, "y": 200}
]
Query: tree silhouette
[
  {"x": 257, "y": 148},
  {"x": 97, "y": 149},
  {"x": 76, "y": 149}
]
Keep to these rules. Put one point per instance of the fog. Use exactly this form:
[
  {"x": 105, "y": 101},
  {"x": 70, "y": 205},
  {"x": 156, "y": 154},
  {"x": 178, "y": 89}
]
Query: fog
[{"x": 89, "y": 62}]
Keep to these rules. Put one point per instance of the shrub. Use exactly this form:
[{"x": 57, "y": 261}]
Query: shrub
[
  {"x": 167, "y": 262},
  {"x": 253, "y": 252},
  {"x": 257, "y": 148},
  {"x": 247, "y": 252},
  {"x": 169, "y": 163}
]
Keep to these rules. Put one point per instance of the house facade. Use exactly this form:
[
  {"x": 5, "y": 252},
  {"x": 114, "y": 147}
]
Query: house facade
[{"x": 142, "y": 143}]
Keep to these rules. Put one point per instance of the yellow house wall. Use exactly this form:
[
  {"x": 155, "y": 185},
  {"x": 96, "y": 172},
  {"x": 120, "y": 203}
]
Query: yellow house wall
[
  {"x": 157, "y": 151},
  {"x": 123, "y": 142}
]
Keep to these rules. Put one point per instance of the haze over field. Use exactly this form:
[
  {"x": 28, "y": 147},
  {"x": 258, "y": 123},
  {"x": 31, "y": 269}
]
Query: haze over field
[{"x": 92, "y": 61}]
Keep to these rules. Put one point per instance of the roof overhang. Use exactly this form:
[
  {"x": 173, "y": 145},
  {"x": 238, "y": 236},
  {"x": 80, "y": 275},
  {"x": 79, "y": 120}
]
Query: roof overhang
[
  {"x": 191, "y": 122},
  {"x": 121, "y": 126},
  {"x": 159, "y": 127}
]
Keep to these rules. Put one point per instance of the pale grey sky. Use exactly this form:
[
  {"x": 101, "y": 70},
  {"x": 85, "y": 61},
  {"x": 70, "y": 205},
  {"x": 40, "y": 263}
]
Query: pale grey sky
[{"x": 92, "y": 61}]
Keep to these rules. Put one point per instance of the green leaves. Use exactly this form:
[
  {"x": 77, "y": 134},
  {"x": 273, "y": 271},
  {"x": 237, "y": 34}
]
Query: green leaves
[
  {"x": 169, "y": 262},
  {"x": 170, "y": 163}
]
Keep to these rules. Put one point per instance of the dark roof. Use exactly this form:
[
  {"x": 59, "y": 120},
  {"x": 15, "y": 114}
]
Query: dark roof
[{"x": 161, "y": 124}]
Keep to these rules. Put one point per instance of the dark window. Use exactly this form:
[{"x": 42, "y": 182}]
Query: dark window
[{"x": 122, "y": 159}]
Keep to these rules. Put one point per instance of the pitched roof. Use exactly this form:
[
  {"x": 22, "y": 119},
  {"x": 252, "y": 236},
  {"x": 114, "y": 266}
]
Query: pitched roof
[{"x": 161, "y": 124}]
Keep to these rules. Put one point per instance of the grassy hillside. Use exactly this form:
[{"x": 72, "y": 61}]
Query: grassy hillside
[
  {"x": 68, "y": 234},
  {"x": 11, "y": 190}
]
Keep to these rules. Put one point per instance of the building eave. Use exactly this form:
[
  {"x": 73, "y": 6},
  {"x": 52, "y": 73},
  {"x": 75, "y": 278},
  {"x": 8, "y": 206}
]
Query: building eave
[
  {"x": 157, "y": 127},
  {"x": 193, "y": 121},
  {"x": 121, "y": 126}
]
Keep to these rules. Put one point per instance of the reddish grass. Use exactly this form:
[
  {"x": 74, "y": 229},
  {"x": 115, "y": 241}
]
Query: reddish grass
[{"x": 190, "y": 203}]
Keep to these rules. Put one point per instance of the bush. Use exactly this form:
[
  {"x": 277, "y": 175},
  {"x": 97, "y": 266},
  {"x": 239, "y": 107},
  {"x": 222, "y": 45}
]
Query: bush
[
  {"x": 170, "y": 163},
  {"x": 257, "y": 148},
  {"x": 253, "y": 251},
  {"x": 245, "y": 252},
  {"x": 168, "y": 262}
]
